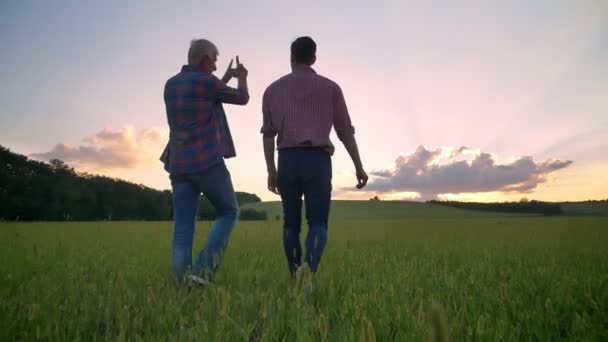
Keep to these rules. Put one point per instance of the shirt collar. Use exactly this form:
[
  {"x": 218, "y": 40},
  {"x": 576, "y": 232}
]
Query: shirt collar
[
  {"x": 303, "y": 68},
  {"x": 190, "y": 68}
]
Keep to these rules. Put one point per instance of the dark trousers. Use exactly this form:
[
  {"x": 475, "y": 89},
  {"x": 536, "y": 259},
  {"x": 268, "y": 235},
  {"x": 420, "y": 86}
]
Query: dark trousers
[{"x": 304, "y": 172}]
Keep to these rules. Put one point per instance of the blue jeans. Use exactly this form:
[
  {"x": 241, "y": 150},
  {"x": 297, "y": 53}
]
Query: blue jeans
[
  {"x": 216, "y": 185},
  {"x": 307, "y": 172}
]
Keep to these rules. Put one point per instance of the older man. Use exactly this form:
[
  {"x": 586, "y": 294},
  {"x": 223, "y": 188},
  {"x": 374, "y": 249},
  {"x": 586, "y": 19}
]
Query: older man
[
  {"x": 300, "y": 110},
  {"x": 194, "y": 157}
]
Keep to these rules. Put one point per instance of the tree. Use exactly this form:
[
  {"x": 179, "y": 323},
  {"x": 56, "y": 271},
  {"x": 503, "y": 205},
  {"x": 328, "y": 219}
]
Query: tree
[
  {"x": 33, "y": 190},
  {"x": 252, "y": 215}
]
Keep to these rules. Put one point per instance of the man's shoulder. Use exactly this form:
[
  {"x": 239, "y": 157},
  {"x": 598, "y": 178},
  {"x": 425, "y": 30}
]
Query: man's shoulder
[
  {"x": 277, "y": 83},
  {"x": 282, "y": 81},
  {"x": 328, "y": 81},
  {"x": 272, "y": 87}
]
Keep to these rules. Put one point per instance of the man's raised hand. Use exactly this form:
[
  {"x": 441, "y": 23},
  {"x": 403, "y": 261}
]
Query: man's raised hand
[
  {"x": 240, "y": 71},
  {"x": 230, "y": 73}
]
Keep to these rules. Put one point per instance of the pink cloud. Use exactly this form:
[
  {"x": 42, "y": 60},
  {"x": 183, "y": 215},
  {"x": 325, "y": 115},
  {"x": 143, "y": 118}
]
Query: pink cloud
[
  {"x": 111, "y": 149},
  {"x": 446, "y": 170}
]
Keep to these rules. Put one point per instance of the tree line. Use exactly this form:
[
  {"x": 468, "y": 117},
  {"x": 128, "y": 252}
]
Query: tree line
[{"x": 31, "y": 190}]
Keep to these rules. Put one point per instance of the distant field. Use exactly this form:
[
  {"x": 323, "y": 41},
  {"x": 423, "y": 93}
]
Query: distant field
[
  {"x": 585, "y": 208},
  {"x": 387, "y": 210},
  {"x": 397, "y": 269},
  {"x": 362, "y": 210}
]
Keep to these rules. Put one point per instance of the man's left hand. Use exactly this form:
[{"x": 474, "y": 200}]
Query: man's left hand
[{"x": 230, "y": 73}]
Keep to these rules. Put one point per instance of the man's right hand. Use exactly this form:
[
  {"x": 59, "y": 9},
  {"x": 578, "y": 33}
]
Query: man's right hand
[
  {"x": 361, "y": 178},
  {"x": 273, "y": 183}
]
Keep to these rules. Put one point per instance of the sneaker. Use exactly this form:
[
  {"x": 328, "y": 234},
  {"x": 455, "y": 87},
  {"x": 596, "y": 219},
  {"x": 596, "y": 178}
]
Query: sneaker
[
  {"x": 304, "y": 280},
  {"x": 200, "y": 281}
]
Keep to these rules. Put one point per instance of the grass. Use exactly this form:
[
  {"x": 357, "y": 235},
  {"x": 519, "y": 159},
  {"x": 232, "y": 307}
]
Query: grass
[{"x": 472, "y": 276}]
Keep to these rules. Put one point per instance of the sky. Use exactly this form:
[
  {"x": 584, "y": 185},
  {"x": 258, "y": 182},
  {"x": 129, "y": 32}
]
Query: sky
[{"x": 468, "y": 100}]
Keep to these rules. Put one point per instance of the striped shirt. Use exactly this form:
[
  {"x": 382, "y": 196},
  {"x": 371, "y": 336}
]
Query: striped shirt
[
  {"x": 199, "y": 133},
  {"x": 301, "y": 108}
]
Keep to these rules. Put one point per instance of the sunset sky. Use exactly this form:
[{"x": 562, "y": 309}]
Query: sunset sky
[{"x": 480, "y": 100}]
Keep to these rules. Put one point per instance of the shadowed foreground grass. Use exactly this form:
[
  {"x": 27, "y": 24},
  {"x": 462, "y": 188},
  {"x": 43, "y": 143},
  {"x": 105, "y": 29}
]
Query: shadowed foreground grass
[{"x": 486, "y": 278}]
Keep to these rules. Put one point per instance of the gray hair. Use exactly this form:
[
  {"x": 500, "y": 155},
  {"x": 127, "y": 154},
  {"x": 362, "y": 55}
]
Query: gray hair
[{"x": 200, "y": 48}]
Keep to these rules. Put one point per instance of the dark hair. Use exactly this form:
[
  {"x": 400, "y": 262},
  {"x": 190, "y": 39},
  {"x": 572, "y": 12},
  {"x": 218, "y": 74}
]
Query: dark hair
[{"x": 303, "y": 50}]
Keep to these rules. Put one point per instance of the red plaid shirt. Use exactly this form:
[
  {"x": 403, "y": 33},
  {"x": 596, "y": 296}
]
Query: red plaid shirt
[
  {"x": 301, "y": 108},
  {"x": 199, "y": 133}
]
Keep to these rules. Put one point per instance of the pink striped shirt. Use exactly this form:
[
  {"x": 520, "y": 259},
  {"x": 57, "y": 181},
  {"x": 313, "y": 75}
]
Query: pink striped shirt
[{"x": 300, "y": 108}]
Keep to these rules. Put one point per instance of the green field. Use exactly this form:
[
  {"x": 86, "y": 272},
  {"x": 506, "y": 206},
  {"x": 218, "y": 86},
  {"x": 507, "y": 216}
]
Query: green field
[{"x": 404, "y": 270}]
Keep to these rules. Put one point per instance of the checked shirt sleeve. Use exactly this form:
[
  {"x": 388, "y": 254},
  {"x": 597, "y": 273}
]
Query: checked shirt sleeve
[{"x": 226, "y": 94}]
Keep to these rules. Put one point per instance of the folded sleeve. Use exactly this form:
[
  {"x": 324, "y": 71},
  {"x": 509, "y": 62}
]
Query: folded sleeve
[
  {"x": 268, "y": 129},
  {"x": 342, "y": 123}
]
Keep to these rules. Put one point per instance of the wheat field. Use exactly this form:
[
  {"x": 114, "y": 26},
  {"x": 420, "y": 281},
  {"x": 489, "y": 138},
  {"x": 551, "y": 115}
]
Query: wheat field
[{"x": 391, "y": 272}]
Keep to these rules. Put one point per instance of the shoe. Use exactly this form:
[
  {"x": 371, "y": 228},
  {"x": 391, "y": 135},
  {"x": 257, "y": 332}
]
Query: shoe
[
  {"x": 304, "y": 280},
  {"x": 200, "y": 281}
]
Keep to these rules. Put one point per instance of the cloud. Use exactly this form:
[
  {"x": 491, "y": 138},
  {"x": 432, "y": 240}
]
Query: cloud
[
  {"x": 111, "y": 149},
  {"x": 457, "y": 170},
  {"x": 381, "y": 173}
]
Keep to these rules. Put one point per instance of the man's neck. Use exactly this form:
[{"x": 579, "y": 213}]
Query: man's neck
[
  {"x": 198, "y": 68},
  {"x": 300, "y": 66}
]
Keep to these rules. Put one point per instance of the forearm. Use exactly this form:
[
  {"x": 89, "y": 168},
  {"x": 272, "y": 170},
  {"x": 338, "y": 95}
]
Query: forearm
[
  {"x": 351, "y": 146},
  {"x": 242, "y": 86},
  {"x": 269, "y": 154}
]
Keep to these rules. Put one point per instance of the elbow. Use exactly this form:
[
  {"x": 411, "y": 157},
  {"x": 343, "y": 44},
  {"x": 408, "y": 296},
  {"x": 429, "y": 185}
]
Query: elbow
[
  {"x": 345, "y": 134},
  {"x": 268, "y": 139},
  {"x": 345, "y": 138},
  {"x": 244, "y": 99}
]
